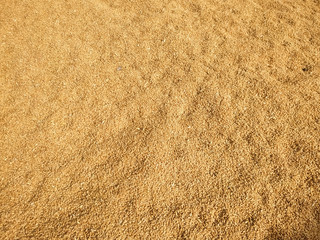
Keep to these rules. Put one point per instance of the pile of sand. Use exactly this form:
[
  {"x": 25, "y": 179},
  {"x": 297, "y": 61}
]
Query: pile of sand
[{"x": 132, "y": 119}]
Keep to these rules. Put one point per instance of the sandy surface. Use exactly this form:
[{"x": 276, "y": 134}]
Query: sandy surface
[{"x": 132, "y": 119}]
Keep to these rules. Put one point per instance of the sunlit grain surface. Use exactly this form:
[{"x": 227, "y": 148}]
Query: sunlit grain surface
[{"x": 160, "y": 119}]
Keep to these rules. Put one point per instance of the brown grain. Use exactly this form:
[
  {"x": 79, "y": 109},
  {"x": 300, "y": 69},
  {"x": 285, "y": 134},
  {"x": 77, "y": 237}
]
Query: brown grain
[{"x": 132, "y": 119}]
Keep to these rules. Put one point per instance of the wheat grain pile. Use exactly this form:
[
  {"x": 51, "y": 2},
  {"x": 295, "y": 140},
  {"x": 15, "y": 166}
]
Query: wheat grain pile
[{"x": 136, "y": 119}]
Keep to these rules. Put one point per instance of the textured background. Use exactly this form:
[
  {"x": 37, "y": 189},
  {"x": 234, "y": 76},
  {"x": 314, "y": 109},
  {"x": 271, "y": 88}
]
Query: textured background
[{"x": 132, "y": 119}]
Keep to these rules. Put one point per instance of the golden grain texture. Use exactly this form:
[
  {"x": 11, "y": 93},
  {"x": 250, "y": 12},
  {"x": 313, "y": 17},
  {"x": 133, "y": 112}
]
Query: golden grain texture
[{"x": 132, "y": 119}]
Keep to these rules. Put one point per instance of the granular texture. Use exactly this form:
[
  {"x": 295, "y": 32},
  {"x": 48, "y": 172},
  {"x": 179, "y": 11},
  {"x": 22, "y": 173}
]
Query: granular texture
[{"x": 158, "y": 119}]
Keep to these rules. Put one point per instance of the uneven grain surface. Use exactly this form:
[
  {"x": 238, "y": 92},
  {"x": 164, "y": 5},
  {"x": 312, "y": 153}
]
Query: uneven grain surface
[{"x": 133, "y": 119}]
